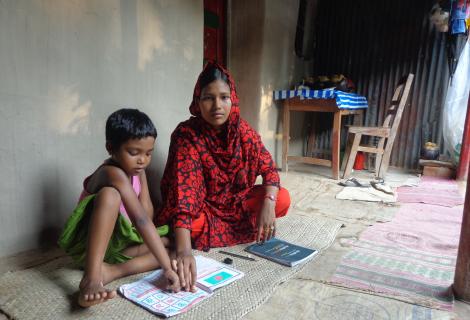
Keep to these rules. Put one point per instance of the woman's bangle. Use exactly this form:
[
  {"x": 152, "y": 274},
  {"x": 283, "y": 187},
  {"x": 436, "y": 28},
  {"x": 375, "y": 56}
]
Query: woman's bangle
[{"x": 270, "y": 197}]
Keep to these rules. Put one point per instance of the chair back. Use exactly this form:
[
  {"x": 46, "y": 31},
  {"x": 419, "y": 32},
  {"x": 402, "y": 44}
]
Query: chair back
[
  {"x": 399, "y": 99},
  {"x": 392, "y": 121}
]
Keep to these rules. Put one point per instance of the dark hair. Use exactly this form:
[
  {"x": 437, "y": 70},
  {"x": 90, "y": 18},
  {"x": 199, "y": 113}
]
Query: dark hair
[
  {"x": 126, "y": 124},
  {"x": 210, "y": 74}
]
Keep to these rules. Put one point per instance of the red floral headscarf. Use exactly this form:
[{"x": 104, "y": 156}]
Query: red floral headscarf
[
  {"x": 194, "y": 107},
  {"x": 233, "y": 121}
]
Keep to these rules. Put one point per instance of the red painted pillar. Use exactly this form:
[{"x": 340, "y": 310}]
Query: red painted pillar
[
  {"x": 462, "y": 269},
  {"x": 465, "y": 149},
  {"x": 215, "y": 34}
]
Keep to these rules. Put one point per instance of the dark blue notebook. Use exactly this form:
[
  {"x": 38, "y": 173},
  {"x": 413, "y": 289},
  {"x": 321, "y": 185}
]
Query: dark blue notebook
[{"x": 282, "y": 252}]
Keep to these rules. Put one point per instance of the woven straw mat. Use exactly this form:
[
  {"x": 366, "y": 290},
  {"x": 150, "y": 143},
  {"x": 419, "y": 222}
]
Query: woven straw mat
[{"x": 49, "y": 291}]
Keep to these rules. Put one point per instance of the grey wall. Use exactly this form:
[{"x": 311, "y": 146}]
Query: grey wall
[
  {"x": 64, "y": 67},
  {"x": 262, "y": 58}
]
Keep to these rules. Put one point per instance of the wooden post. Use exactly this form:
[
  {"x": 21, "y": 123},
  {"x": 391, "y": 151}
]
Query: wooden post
[
  {"x": 285, "y": 134},
  {"x": 465, "y": 149},
  {"x": 461, "y": 284}
]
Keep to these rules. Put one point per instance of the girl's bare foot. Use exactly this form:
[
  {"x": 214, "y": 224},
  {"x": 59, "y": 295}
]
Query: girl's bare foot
[
  {"x": 109, "y": 273},
  {"x": 93, "y": 292}
]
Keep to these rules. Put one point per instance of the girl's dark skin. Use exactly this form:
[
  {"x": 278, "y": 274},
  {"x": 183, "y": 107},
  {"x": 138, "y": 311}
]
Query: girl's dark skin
[{"x": 112, "y": 185}]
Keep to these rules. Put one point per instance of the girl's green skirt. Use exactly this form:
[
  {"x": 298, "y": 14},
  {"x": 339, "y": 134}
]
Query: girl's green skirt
[{"x": 75, "y": 235}]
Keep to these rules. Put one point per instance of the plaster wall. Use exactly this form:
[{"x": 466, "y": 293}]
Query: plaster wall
[
  {"x": 262, "y": 58},
  {"x": 64, "y": 67}
]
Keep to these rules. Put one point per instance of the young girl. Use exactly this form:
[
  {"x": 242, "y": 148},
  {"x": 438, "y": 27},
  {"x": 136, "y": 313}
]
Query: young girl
[{"x": 111, "y": 233}]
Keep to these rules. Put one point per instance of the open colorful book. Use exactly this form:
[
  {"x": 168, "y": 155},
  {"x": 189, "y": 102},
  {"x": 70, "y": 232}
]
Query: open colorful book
[
  {"x": 282, "y": 252},
  {"x": 210, "y": 276}
]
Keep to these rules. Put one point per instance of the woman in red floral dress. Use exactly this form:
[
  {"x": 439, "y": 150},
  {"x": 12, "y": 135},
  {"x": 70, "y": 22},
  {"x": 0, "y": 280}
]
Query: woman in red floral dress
[{"x": 208, "y": 187}]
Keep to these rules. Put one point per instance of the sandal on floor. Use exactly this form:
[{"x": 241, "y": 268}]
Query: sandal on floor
[
  {"x": 381, "y": 186},
  {"x": 379, "y": 180},
  {"x": 352, "y": 182}
]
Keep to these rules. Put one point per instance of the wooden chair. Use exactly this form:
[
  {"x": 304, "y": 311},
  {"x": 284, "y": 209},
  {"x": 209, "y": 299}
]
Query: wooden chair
[{"x": 386, "y": 134}]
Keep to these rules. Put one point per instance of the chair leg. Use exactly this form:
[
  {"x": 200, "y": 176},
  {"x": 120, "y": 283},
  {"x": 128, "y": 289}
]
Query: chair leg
[
  {"x": 352, "y": 155},
  {"x": 379, "y": 156},
  {"x": 349, "y": 142},
  {"x": 385, "y": 161},
  {"x": 383, "y": 168}
]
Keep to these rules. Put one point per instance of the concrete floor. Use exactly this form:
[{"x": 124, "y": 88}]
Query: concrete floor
[
  {"x": 287, "y": 303},
  {"x": 307, "y": 295}
]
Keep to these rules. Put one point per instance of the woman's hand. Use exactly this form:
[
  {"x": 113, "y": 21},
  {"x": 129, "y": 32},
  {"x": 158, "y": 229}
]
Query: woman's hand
[
  {"x": 173, "y": 281},
  {"x": 186, "y": 266},
  {"x": 266, "y": 221},
  {"x": 185, "y": 262}
]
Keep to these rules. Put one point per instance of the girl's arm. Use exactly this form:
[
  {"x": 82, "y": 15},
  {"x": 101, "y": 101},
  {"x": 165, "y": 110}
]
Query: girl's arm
[
  {"x": 141, "y": 220},
  {"x": 144, "y": 196}
]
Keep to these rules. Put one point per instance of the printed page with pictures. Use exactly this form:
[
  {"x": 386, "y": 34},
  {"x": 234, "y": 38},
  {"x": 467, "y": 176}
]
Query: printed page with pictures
[
  {"x": 212, "y": 274},
  {"x": 149, "y": 294}
]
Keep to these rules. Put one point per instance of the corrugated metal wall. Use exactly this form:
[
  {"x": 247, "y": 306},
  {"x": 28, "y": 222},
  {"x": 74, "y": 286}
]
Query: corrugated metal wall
[{"x": 375, "y": 43}]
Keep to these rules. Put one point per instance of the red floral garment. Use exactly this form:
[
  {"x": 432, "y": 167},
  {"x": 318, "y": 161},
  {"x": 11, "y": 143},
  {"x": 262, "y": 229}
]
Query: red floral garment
[{"x": 211, "y": 173}]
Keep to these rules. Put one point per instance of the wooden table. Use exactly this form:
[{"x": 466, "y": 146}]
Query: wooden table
[{"x": 317, "y": 105}]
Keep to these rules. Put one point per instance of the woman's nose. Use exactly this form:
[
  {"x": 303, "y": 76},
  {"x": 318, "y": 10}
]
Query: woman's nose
[{"x": 217, "y": 103}]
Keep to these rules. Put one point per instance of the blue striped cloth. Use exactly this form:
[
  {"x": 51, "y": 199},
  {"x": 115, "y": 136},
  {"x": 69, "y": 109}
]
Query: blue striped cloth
[{"x": 344, "y": 100}]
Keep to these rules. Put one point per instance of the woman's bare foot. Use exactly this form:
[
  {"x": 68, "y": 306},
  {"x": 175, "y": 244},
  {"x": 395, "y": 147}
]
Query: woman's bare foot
[{"x": 93, "y": 292}]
